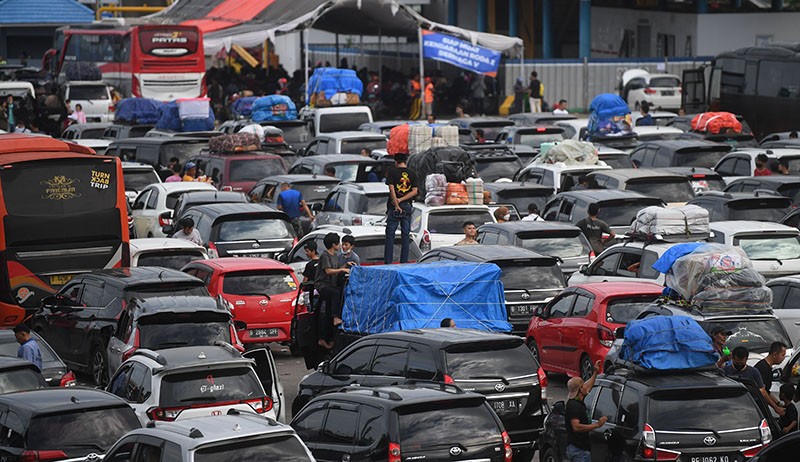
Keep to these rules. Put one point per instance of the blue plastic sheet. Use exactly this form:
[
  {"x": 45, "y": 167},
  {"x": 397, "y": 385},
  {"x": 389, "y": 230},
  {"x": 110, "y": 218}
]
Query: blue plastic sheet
[
  {"x": 606, "y": 115},
  {"x": 664, "y": 263},
  {"x": 667, "y": 343},
  {"x": 243, "y": 107},
  {"x": 389, "y": 298},
  {"x": 329, "y": 81},
  {"x": 137, "y": 111},
  {"x": 169, "y": 119},
  {"x": 273, "y": 107}
]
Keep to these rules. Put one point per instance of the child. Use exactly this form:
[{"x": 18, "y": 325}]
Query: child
[
  {"x": 788, "y": 421},
  {"x": 348, "y": 257}
]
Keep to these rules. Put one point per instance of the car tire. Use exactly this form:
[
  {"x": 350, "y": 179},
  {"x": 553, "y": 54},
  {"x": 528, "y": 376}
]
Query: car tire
[
  {"x": 299, "y": 403},
  {"x": 524, "y": 455},
  {"x": 535, "y": 350},
  {"x": 548, "y": 455},
  {"x": 585, "y": 367},
  {"x": 98, "y": 366},
  {"x": 149, "y": 234}
]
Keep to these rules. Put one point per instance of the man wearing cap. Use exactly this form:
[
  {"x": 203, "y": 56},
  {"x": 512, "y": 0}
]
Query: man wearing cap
[
  {"x": 190, "y": 172},
  {"x": 719, "y": 335},
  {"x": 402, "y": 190},
  {"x": 578, "y": 422}
]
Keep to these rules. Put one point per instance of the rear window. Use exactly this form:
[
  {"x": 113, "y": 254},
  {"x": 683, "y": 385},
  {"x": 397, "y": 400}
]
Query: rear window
[
  {"x": 92, "y": 429},
  {"x": 355, "y": 146},
  {"x": 255, "y": 229},
  {"x": 622, "y": 213},
  {"x": 183, "y": 151},
  {"x": 370, "y": 204},
  {"x": 490, "y": 129},
  {"x": 20, "y": 379},
  {"x": 754, "y": 334},
  {"x": 283, "y": 448},
  {"x": 770, "y": 246},
  {"x": 466, "y": 426},
  {"x": 136, "y": 180},
  {"x": 665, "y": 82},
  {"x": 88, "y": 92},
  {"x": 171, "y": 330},
  {"x": 617, "y": 160},
  {"x": 452, "y": 221},
  {"x": 295, "y": 133},
  {"x": 93, "y": 133},
  {"x": 521, "y": 198},
  {"x": 707, "y": 183},
  {"x": 168, "y": 41},
  {"x": 668, "y": 190},
  {"x": 165, "y": 290},
  {"x": 174, "y": 260},
  {"x": 528, "y": 275},
  {"x": 255, "y": 169},
  {"x": 723, "y": 409},
  {"x": 370, "y": 251},
  {"x": 258, "y": 283},
  {"x": 210, "y": 386},
  {"x": 791, "y": 191},
  {"x": 488, "y": 360},
  {"x": 623, "y": 310},
  {"x": 494, "y": 169},
  {"x": 536, "y": 140},
  {"x": 9, "y": 347},
  {"x": 758, "y": 209},
  {"x": 703, "y": 159},
  {"x": 315, "y": 192},
  {"x": 342, "y": 122},
  {"x": 562, "y": 244}
]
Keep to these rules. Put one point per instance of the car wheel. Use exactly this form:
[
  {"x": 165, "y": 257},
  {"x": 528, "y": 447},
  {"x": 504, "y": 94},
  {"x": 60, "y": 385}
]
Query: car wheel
[
  {"x": 535, "y": 350},
  {"x": 637, "y": 106},
  {"x": 586, "y": 367},
  {"x": 524, "y": 455},
  {"x": 99, "y": 366},
  {"x": 548, "y": 455},
  {"x": 149, "y": 234},
  {"x": 299, "y": 403}
]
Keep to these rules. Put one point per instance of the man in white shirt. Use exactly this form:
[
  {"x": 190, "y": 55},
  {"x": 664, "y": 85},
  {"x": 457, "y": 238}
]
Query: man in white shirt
[
  {"x": 562, "y": 107},
  {"x": 533, "y": 213},
  {"x": 187, "y": 232}
]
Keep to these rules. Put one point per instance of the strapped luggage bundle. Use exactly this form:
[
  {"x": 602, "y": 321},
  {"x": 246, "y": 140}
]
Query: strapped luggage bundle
[
  {"x": 131, "y": 111},
  {"x": 235, "y": 143},
  {"x": 680, "y": 224},
  {"x": 273, "y": 107},
  {"x": 186, "y": 115},
  {"x": 329, "y": 86}
]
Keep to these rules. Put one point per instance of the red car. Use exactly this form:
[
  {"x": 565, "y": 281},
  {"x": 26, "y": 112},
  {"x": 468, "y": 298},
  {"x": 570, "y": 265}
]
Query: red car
[
  {"x": 262, "y": 294},
  {"x": 577, "y": 327}
]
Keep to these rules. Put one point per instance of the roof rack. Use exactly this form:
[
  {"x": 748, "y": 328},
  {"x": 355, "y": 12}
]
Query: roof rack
[
  {"x": 227, "y": 346},
  {"x": 431, "y": 384},
  {"x": 393, "y": 396},
  {"x": 148, "y": 353}
]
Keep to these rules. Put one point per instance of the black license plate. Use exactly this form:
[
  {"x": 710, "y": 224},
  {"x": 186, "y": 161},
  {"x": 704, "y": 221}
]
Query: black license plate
[
  {"x": 522, "y": 309},
  {"x": 505, "y": 405},
  {"x": 261, "y": 333},
  {"x": 667, "y": 93},
  {"x": 718, "y": 458}
]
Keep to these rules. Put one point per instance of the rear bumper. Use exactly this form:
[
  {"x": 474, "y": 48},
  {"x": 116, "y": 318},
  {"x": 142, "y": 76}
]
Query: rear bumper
[{"x": 284, "y": 332}]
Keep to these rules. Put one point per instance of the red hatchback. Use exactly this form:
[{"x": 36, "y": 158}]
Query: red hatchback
[
  {"x": 262, "y": 294},
  {"x": 577, "y": 327}
]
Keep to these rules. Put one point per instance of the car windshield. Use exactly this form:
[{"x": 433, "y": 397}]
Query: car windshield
[
  {"x": 754, "y": 334},
  {"x": 88, "y": 92},
  {"x": 170, "y": 330},
  {"x": 342, "y": 122},
  {"x": 256, "y": 228},
  {"x": 620, "y": 160},
  {"x": 452, "y": 221},
  {"x": 791, "y": 191},
  {"x": 295, "y": 133},
  {"x": 702, "y": 158},
  {"x": 93, "y": 133},
  {"x": 467, "y": 426},
  {"x": 269, "y": 283},
  {"x": 20, "y": 380},
  {"x": 522, "y": 198},
  {"x": 355, "y": 146},
  {"x": 209, "y": 386},
  {"x": 255, "y": 169},
  {"x": 174, "y": 260},
  {"x": 529, "y": 275},
  {"x": 622, "y": 310},
  {"x": 622, "y": 213},
  {"x": 758, "y": 210},
  {"x": 314, "y": 192},
  {"x": 494, "y": 169},
  {"x": 370, "y": 251},
  {"x": 668, "y": 82},
  {"x": 535, "y": 140},
  {"x": 286, "y": 448},
  {"x": 770, "y": 246},
  {"x": 346, "y": 172},
  {"x": 723, "y": 409},
  {"x": 490, "y": 360},
  {"x": 668, "y": 189},
  {"x": 707, "y": 184},
  {"x": 136, "y": 180},
  {"x": 370, "y": 204},
  {"x": 183, "y": 151},
  {"x": 92, "y": 429},
  {"x": 562, "y": 244}
]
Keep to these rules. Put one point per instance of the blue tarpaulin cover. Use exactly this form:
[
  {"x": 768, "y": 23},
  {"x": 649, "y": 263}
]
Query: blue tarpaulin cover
[
  {"x": 400, "y": 297},
  {"x": 664, "y": 263},
  {"x": 169, "y": 118},
  {"x": 330, "y": 80},
  {"x": 243, "y": 106},
  {"x": 667, "y": 343},
  {"x": 273, "y": 107},
  {"x": 137, "y": 111},
  {"x": 603, "y": 112}
]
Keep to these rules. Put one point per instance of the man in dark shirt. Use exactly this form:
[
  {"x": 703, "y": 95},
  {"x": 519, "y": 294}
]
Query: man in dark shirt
[
  {"x": 777, "y": 353},
  {"x": 402, "y": 190},
  {"x": 593, "y": 228},
  {"x": 578, "y": 421},
  {"x": 310, "y": 271},
  {"x": 739, "y": 370},
  {"x": 326, "y": 283}
]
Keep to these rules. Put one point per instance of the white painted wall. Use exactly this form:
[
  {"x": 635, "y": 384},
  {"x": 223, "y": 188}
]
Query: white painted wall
[
  {"x": 723, "y": 32},
  {"x": 609, "y": 24}
]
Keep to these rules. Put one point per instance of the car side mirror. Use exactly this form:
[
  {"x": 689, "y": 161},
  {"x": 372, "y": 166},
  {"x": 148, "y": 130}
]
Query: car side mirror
[
  {"x": 316, "y": 207},
  {"x": 324, "y": 367},
  {"x": 167, "y": 230},
  {"x": 49, "y": 301},
  {"x": 583, "y": 269},
  {"x": 282, "y": 257},
  {"x": 619, "y": 332}
]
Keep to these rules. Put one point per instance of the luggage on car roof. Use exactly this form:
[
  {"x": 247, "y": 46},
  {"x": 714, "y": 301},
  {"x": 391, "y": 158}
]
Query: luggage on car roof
[
  {"x": 667, "y": 343},
  {"x": 679, "y": 224},
  {"x": 143, "y": 111},
  {"x": 236, "y": 142}
]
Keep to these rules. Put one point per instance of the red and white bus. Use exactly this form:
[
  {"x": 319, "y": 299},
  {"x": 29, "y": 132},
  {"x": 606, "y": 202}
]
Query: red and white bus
[{"x": 163, "y": 62}]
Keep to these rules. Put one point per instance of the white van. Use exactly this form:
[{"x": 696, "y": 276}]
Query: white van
[
  {"x": 94, "y": 96},
  {"x": 323, "y": 120}
]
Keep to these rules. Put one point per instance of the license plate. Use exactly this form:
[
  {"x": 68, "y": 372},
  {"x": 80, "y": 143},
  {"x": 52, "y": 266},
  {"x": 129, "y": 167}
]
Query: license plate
[
  {"x": 709, "y": 459},
  {"x": 255, "y": 255},
  {"x": 258, "y": 333},
  {"x": 667, "y": 93},
  {"x": 522, "y": 309},
  {"x": 60, "y": 279},
  {"x": 504, "y": 405}
]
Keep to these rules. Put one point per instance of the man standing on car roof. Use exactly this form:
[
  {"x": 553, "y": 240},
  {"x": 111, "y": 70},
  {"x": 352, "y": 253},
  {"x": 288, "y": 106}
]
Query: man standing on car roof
[
  {"x": 28, "y": 348},
  {"x": 593, "y": 228},
  {"x": 578, "y": 422},
  {"x": 740, "y": 370},
  {"x": 402, "y": 190},
  {"x": 290, "y": 201}
]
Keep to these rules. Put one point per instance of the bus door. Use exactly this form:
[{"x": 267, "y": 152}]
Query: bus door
[{"x": 694, "y": 91}]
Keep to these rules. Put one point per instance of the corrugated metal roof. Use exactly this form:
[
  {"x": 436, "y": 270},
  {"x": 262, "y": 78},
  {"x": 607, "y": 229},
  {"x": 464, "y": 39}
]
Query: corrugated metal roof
[{"x": 44, "y": 12}]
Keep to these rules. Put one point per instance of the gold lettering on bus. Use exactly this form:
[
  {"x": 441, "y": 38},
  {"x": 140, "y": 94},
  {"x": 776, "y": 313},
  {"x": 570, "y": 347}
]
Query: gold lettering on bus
[{"x": 60, "y": 188}]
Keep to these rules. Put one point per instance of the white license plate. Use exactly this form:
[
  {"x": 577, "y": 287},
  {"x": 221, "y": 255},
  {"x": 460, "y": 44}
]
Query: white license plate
[
  {"x": 505, "y": 405},
  {"x": 255, "y": 255},
  {"x": 709, "y": 459},
  {"x": 521, "y": 309},
  {"x": 259, "y": 333},
  {"x": 667, "y": 93}
]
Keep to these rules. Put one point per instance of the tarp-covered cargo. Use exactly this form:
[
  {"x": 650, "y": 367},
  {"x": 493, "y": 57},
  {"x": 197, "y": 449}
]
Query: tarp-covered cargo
[
  {"x": 243, "y": 107},
  {"x": 608, "y": 116},
  {"x": 137, "y": 111},
  {"x": 667, "y": 343},
  {"x": 568, "y": 152},
  {"x": 273, "y": 107},
  {"x": 331, "y": 86},
  {"x": 673, "y": 224},
  {"x": 170, "y": 119},
  {"x": 400, "y": 297},
  {"x": 716, "y": 123}
]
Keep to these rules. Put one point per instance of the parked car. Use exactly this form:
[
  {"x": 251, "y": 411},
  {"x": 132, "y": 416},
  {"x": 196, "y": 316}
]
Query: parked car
[
  {"x": 124, "y": 131},
  {"x": 159, "y": 323},
  {"x": 344, "y": 143},
  {"x": 136, "y": 177},
  {"x": 191, "y": 199},
  {"x": 88, "y": 422},
  {"x": 347, "y": 167},
  {"x": 384, "y": 126},
  {"x": 494, "y": 164},
  {"x": 295, "y": 132},
  {"x": 630, "y": 261},
  {"x": 314, "y": 188},
  {"x": 435, "y": 226},
  {"x": 19, "y": 375},
  {"x": 157, "y": 151},
  {"x": 679, "y": 153},
  {"x": 54, "y": 370},
  {"x": 786, "y": 304},
  {"x": 198, "y": 381},
  {"x": 742, "y": 162},
  {"x": 261, "y": 292},
  {"x": 491, "y": 126},
  {"x": 323, "y": 120},
  {"x": 743, "y": 139},
  {"x": 660, "y": 91},
  {"x": 574, "y": 129},
  {"x": 532, "y": 136},
  {"x": 564, "y": 242},
  {"x": 672, "y": 188},
  {"x": 93, "y": 96},
  {"x": 242, "y": 230},
  {"x": 528, "y": 119},
  {"x": 238, "y": 172},
  {"x": 519, "y": 194},
  {"x": 756, "y": 206},
  {"x": 614, "y": 158},
  {"x": 783, "y": 185},
  {"x": 576, "y": 329},
  {"x": 397, "y": 423},
  {"x": 701, "y": 179},
  {"x": 774, "y": 249},
  {"x": 477, "y": 360},
  {"x": 79, "y": 319},
  {"x": 353, "y": 204},
  {"x": 98, "y": 145},
  {"x": 153, "y": 201},
  {"x": 89, "y": 130},
  {"x": 236, "y": 437},
  {"x": 781, "y": 449},
  {"x": 559, "y": 176},
  {"x": 660, "y": 118}
]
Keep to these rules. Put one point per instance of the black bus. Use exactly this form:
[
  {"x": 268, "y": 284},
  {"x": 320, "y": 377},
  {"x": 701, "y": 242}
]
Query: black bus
[{"x": 762, "y": 84}]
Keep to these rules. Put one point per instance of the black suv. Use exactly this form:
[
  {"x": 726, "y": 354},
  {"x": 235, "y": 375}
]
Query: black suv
[
  {"x": 520, "y": 194},
  {"x": 692, "y": 416},
  {"x": 784, "y": 185},
  {"x": 498, "y": 366},
  {"x": 530, "y": 279},
  {"x": 617, "y": 208},
  {"x": 494, "y": 162},
  {"x": 755, "y": 206},
  {"x": 18, "y": 375},
  {"x": 79, "y": 320},
  {"x": 62, "y": 423},
  {"x": 679, "y": 153},
  {"x": 434, "y": 422},
  {"x": 196, "y": 198}
]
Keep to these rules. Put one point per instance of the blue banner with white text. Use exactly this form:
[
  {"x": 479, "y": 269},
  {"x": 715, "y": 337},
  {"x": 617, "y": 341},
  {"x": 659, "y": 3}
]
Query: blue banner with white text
[{"x": 460, "y": 53}]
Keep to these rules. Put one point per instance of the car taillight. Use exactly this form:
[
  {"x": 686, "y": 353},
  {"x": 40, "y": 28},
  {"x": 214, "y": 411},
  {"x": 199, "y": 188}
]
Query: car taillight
[
  {"x": 68, "y": 380},
  {"x": 752, "y": 451},
  {"x": 295, "y": 241},
  {"x": 203, "y": 86},
  {"x": 235, "y": 339},
  {"x": 766, "y": 433},
  {"x": 394, "y": 453},
  {"x": 605, "y": 335},
  {"x": 227, "y": 188},
  {"x": 130, "y": 351},
  {"x": 164, "y": 221},
  {"x": 448, "y": 379},
  {"x": 425, "y": 244},
  {"x": 212, "y": 250},
  {"x": 648, "y": 450},
  {"x": 40, "y": 456},
  {"x": 165, "y": 414},
  {"x": 358, "y": 221},
  {"x": 260, "y": 405},
  {"x": 136, "y": 88},
  {"x": 649, "y": 91},
  {"x": 110, "y": 108},
  {"x": 509, "y": 453},
  {"x": 542, "y": 382}
]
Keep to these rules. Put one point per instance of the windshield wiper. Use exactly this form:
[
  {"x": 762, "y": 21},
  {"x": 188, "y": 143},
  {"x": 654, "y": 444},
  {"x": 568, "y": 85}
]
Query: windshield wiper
[{"x": 695, "y": 429}]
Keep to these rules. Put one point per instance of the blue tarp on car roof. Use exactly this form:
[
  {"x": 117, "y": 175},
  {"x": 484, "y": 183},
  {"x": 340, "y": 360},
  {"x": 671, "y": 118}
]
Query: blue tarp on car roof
[
  {"x": 400, "y": 297},
  {"x": 664, "y": 343}
]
